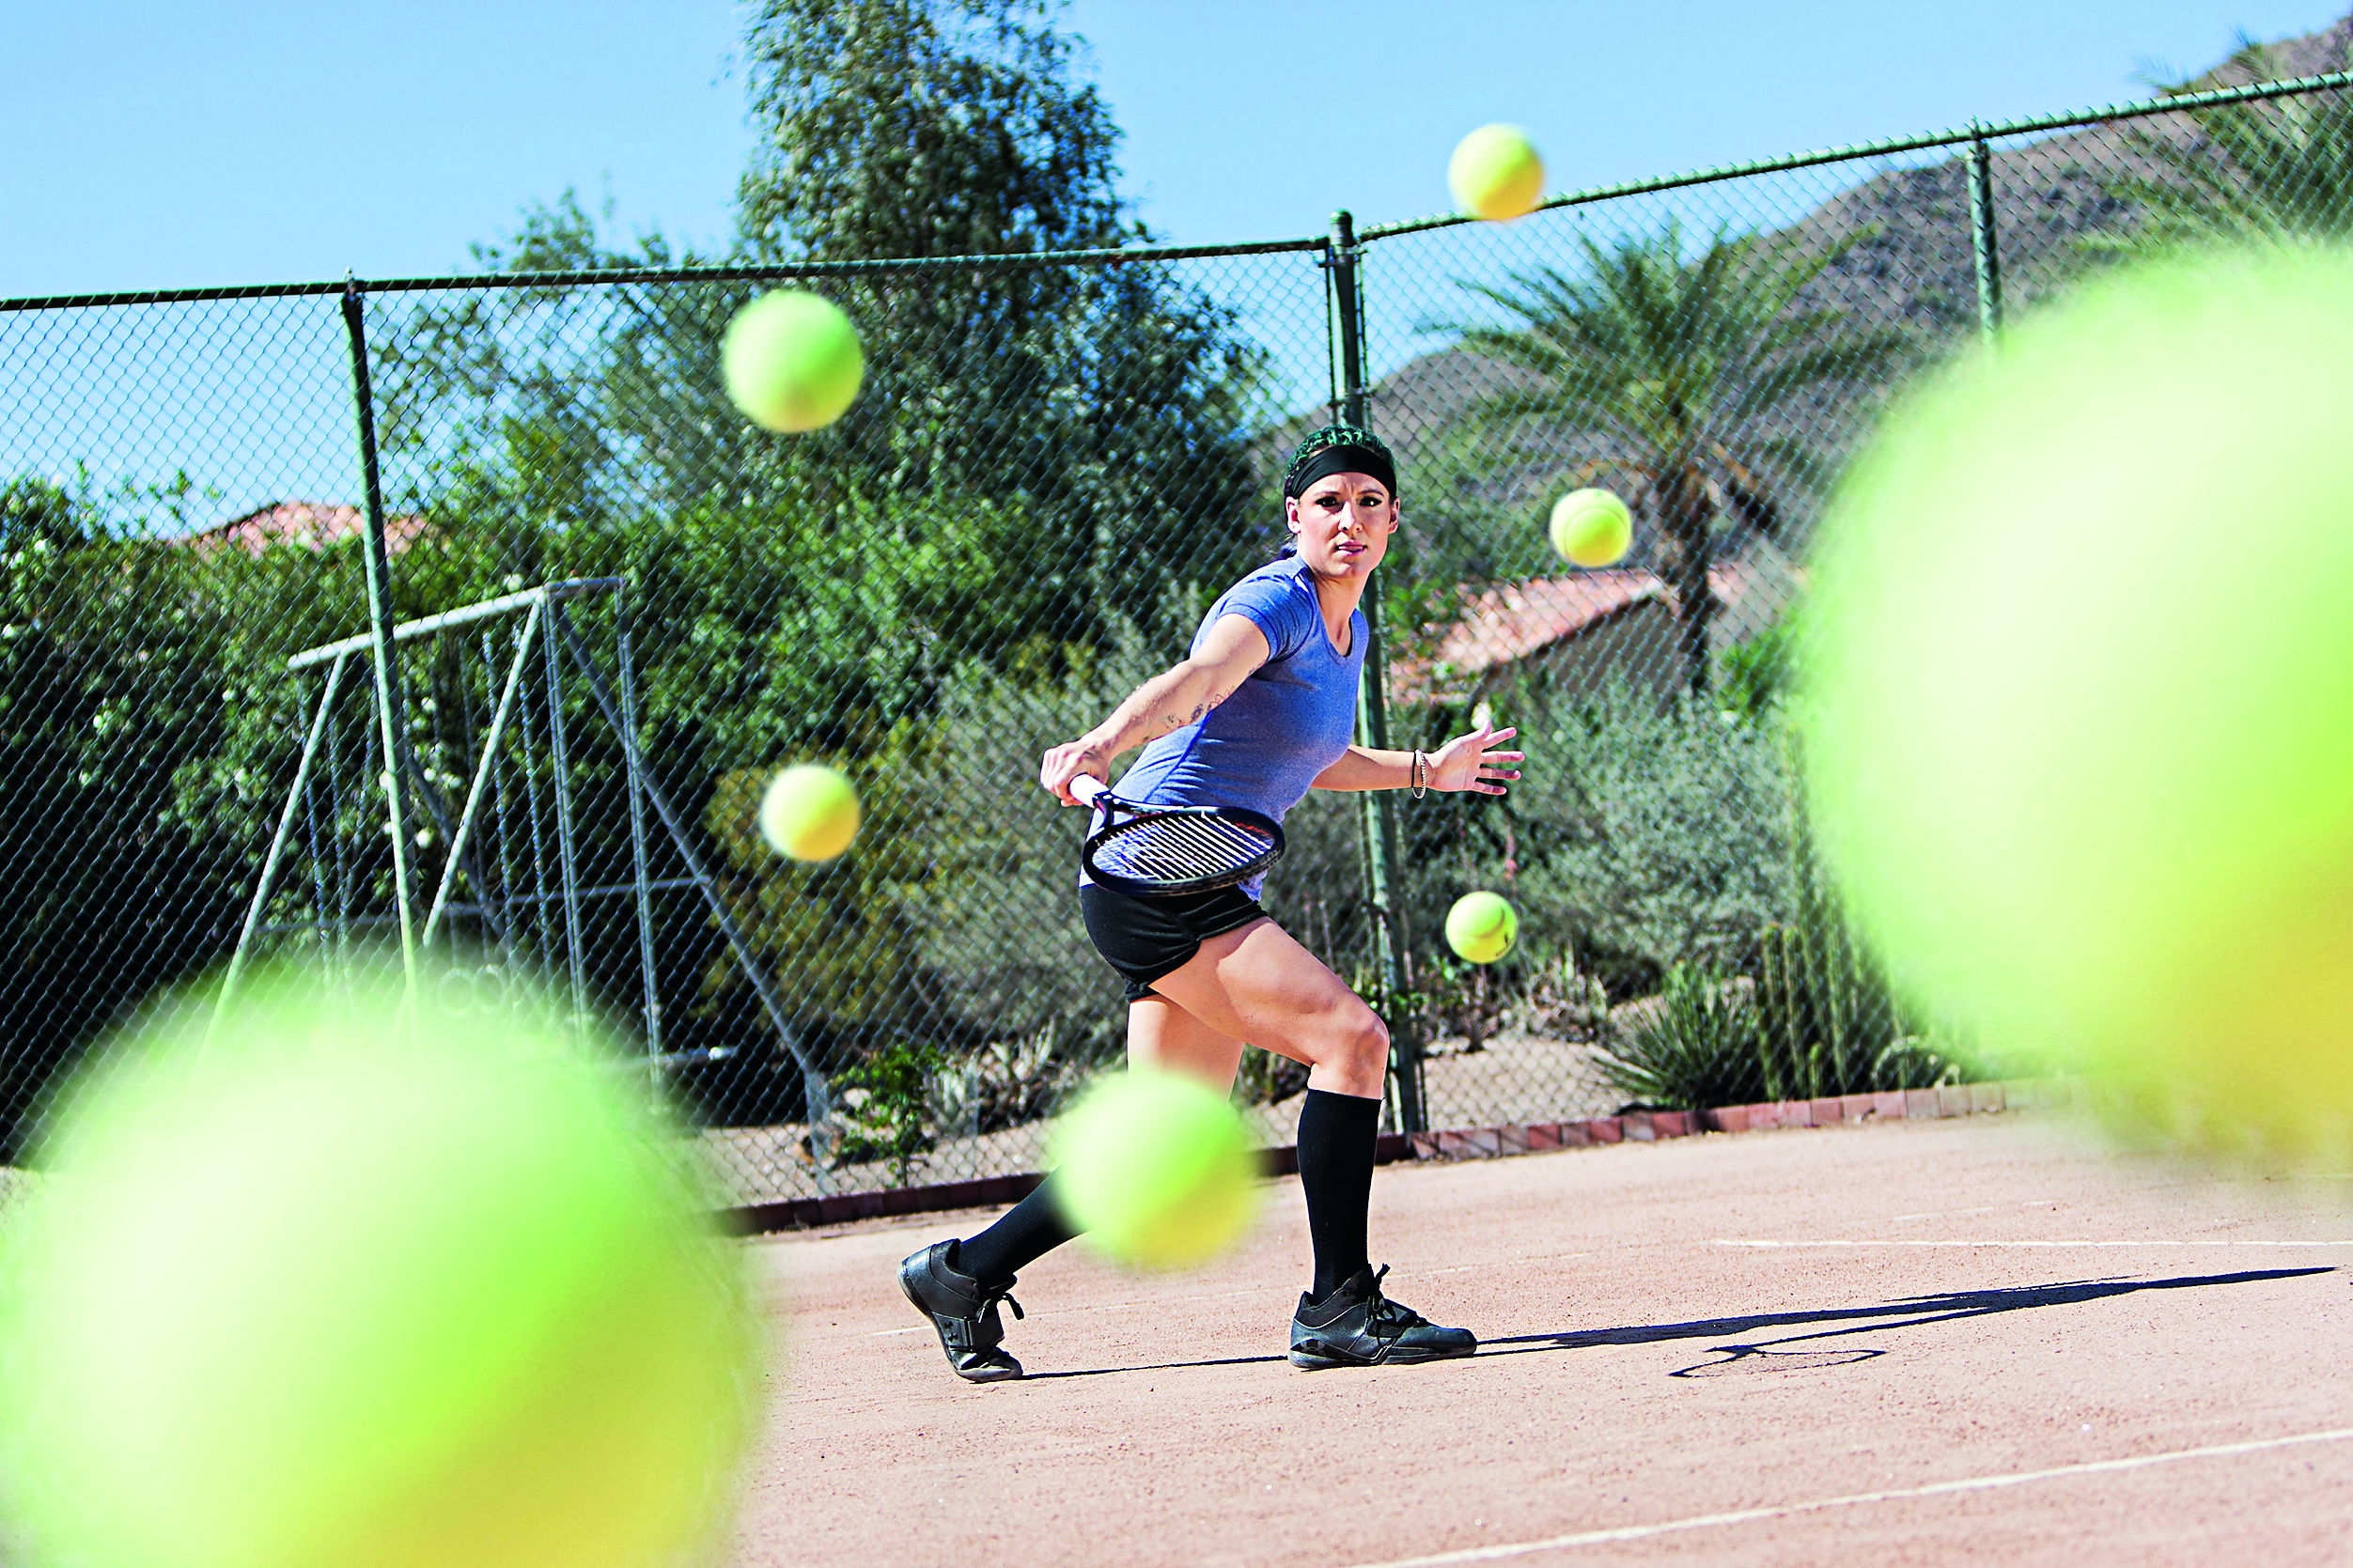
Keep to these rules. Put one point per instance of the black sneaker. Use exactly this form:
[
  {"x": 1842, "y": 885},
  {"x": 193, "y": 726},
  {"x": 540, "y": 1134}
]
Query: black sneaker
[
  {"x": 1358, "y": 1327},
  {"x": 964, "y": 1312}
]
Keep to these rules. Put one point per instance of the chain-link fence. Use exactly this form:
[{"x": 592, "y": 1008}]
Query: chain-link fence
[{"x": 614, "y": 609}]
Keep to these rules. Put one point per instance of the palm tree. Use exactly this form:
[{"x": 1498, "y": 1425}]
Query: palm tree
[
  {"x": 2275, "y": 170},
  {"x": 1681, "y": 366}
]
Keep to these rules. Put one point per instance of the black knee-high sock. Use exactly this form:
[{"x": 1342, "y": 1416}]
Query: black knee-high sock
[
  {"x": 1337, "y": 1137},
  {"x": 1022, "y": 1236}
]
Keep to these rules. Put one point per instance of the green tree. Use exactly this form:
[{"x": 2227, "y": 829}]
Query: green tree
[
  {"x": 1038, "y": 453},
  {"x": 2271, "y": 171},
  {"x": 1683, "y": 366},
  {"x": 122, "y": 681},
  {"x": 1116, "y": 400},
  {"x": 916, "y": 127}
]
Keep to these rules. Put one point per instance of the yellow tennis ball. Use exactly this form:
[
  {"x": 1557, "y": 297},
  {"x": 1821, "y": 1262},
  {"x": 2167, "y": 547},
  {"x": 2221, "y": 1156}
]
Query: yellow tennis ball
[
  {"x": 337, "y": 1292},
  {"x": 2079, "y": 784},
  {"x": 1482, "y": 926},
  {"x": 1156, "y": 1170},
  {"x": 1592, "y": 528},
  {"x": 791, "y": 361},
  {"x": 1495, "y": 172},
  {"x": 809, "y": 812}
]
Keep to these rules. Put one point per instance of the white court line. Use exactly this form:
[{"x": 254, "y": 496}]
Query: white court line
[
  {"x": 1894, "y": 1241},
  {"x": 1935, "y": 1489},
  {"x": 1506, "y": 1262},
  {"x": 1981, "y": 1209}
]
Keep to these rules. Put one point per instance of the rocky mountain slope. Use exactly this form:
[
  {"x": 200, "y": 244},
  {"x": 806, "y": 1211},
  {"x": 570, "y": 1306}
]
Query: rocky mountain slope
[{"x": 1909, "y": 262}]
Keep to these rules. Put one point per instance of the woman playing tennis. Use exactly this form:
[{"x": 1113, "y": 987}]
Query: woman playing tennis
[{"x": 1258, "y": 714}]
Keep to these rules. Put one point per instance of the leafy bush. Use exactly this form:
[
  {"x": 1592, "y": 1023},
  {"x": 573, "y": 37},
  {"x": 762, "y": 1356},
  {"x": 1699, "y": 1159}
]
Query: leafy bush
[
  {"x": 1005, "y": 1083},
  {"x": 1754, "y": 676},
  {"x": 127, "y": 672},
  {"x": 886, "y": 1102},
  {"x": 1555, "y": 999},
  {"x": 1037, "y": 452},
  {"x": 995, "y": 916},
  {"x": 1459, "y": 998},
  {"x": 1644, "y": 834},
  {"x": 1819, "y": 1018}
]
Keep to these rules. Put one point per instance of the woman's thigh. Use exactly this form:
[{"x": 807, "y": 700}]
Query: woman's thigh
[
  {"x": 1259, "y": 983},
  {"x": 1164, "y": 1036}
]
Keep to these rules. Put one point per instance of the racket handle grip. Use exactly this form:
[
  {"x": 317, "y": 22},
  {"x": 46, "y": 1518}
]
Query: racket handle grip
[{"x": 1084, "y": 788}]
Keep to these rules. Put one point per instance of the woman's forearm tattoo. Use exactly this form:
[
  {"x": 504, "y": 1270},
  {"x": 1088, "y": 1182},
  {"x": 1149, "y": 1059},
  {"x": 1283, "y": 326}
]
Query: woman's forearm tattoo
[{"x": 1200, "y": 710}]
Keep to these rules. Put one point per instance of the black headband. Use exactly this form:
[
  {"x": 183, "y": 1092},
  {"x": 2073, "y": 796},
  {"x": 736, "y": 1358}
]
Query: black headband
[{"x": 1341, "y": 459}]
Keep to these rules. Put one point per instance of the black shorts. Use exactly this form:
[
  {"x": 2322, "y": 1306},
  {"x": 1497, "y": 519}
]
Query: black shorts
[{"x": 1145, "y": 939}]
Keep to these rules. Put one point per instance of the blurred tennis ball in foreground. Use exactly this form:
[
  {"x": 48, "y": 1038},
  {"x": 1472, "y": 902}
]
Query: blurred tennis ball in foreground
[
  {"x": 1495, "y": 172},
  {"x": 791, "y": 361},
  {"x": 1481, "y": 927},
  {"x": 2085, "y": 779},
  {"x": 809, "y": 812},
  {"x": 1155, "y": 1169},
  {"x": 1592, "y": 528},
  {"x": 326, "y": 1292}
]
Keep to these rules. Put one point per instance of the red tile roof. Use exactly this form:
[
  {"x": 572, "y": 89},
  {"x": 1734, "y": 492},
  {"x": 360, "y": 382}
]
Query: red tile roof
[
  {"x": 1507, "y": 623},
  {"x": 311, "y": 524}
]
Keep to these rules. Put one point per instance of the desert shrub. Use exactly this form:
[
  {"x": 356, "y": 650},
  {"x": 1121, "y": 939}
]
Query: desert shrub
[
  {"x": 1645, "y": 833},
  {"x": 1829, "y": 1022},
  {"x": 1692, "y": 1045}
]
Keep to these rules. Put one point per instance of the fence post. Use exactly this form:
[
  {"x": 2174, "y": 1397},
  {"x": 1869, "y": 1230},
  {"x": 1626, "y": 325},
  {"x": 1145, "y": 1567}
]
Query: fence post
[
  {"x": 648, "y": 970},
  {"x": 1984, "y": 238},
  {"x": 382, "y": 645},
  {"x": 1382, "y": 855}
]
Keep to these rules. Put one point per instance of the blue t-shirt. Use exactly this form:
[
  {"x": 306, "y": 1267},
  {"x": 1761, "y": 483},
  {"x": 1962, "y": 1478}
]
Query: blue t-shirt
[{"x": 1261, "y": 748}]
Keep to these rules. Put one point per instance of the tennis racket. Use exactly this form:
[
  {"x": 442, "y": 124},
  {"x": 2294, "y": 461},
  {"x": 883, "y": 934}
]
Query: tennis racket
[{"x": 1160, "y": 851}]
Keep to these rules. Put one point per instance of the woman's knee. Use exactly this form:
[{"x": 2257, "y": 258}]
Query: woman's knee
[
  {"x": 1366, "y": 1046},
  {"x": 1350, "y": 1055}
]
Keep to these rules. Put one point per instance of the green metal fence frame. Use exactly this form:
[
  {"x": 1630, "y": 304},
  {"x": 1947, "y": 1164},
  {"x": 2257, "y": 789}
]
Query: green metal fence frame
[{"x": 1339, "y": 253}]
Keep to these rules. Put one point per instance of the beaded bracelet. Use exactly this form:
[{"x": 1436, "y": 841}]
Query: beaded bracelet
[{"x": 1420, "y": 774}]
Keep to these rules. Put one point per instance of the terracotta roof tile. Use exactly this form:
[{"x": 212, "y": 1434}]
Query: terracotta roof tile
[
  {"x": 311, "y": 524},
  {"x": 1507, "y": 623}
]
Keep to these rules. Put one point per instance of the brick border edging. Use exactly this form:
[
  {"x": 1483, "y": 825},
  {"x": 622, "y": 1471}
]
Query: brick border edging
[
  {"x": 1645, "y": 1127},
  {"x": 1633, "y": 1126},
  {"x": 801, "y": 1214}
]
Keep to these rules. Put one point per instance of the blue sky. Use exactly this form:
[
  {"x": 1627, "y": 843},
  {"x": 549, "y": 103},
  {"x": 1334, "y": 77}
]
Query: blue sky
[{"x": 155, "y": 144}]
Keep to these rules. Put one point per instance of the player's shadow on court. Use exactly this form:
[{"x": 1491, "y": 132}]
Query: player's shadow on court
[
  {"x": 1153, "y": 1366},
  {"x": 1909, "y": 1313}
]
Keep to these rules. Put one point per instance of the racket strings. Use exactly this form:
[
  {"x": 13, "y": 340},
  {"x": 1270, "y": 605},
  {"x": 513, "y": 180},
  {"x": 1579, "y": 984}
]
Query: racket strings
[{"x": 1181, "y": 848}]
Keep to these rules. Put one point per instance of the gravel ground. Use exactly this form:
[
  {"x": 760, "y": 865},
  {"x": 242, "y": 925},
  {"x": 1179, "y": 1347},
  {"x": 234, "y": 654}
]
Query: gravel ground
[{"x": 1974, "y": 1341}]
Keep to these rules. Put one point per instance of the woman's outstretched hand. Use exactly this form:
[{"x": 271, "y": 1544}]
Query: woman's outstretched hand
[{"x": 1473, "y": 762}]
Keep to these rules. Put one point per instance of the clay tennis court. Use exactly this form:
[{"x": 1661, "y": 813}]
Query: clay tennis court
[{"x": 1965, "y": 1341}]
